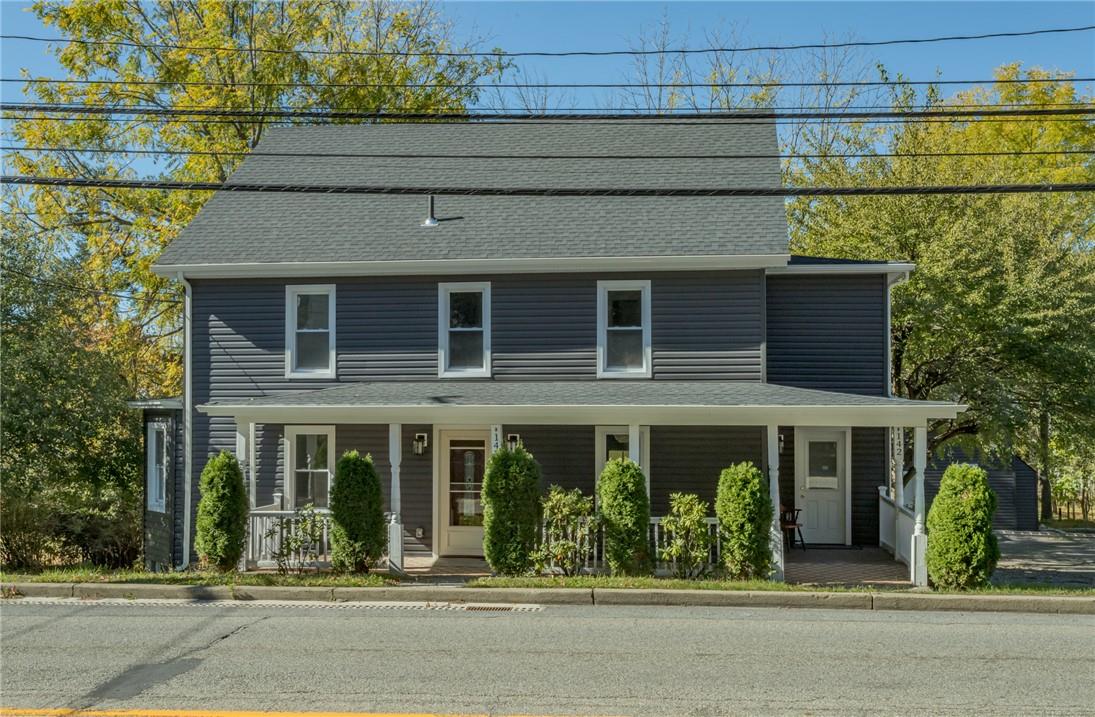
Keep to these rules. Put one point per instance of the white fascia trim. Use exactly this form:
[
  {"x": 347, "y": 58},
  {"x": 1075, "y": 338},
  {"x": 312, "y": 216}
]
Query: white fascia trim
[
  {"x": 443, "y": 291},
  {"x": 881, "y": 268},
  {"x": 534, "y": 265},
  {"x": 686, "y": 415},
  {"x": 291, "y": 292},
  {"x": 603, "y": 287}
]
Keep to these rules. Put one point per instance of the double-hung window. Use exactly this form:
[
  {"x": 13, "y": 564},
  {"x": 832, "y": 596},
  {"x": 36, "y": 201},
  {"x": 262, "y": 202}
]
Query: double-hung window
[
  {"x": 156, "y": 470},
  {"x": 310, "y": 331},
  {"x": 463, "y": 327},
  {"x": 311, "y": 464},
  {"x": 623, "y": 329}
]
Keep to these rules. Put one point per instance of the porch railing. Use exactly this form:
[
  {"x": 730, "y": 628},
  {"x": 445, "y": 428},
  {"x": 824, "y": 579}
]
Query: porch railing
[
  {"x": 592, "y": 545},
  {"x": 895, "y": 526},
  {"x": 659, "y": 540},
  {"x": 268, "y": 529}
]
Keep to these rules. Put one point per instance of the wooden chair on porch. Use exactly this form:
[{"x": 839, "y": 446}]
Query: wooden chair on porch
[{"x": 789, "y": 524}]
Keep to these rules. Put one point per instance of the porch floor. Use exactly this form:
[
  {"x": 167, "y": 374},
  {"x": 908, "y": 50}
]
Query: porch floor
[{"x": 843, "y": 566}]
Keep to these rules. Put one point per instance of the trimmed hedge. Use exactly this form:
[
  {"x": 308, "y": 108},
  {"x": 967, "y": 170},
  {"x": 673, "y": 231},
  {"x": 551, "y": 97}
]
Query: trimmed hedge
[
  {"x": 221, "y": 525},
  {"x": 624, "y": 513},
  {"x": 511, "y": 510},
  {"x": 358, "y": 532},
  {"x": 744, "y": 509},
  {"x": 962, "y": 550}
]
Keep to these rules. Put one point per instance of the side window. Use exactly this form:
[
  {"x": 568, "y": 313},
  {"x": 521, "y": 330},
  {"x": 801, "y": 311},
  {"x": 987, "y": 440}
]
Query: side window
[
  {"x": 310, "y": 331},
  {"x": 623, "y": 329},
  {"x": 311, "y": 464},
  {"x": 463, "y": 330},
  {"x": 156, "y": 469}
]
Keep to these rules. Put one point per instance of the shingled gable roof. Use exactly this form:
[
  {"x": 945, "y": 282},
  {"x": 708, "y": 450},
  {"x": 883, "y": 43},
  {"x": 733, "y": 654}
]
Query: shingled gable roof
[{"x": 259, "y": 229}]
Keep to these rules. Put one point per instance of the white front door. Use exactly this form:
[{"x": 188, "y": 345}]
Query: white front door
[
  {"x": 463, "y": 458},
  {"x": 821, "y": 481}
]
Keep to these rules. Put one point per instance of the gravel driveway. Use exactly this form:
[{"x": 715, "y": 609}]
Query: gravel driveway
[{"x": 1046, "y": 557}]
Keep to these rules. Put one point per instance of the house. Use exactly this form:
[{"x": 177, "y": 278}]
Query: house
[
  {"x": 428, "y": 331},
  {"x": 1014, "y": 482}
]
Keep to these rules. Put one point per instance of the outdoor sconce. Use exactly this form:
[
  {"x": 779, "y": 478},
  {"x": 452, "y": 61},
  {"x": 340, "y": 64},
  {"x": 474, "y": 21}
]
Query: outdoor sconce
[
  {"x": 781, "y": 442},
  {"x": 420, "y": 444},
  {"x": 513, "y": 440}
]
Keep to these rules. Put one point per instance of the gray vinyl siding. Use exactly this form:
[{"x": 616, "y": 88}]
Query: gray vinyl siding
[
  {"x": 827, "y": 332},
  {"x": 1026, "y": 496},
  {"x": 689, "y": 459},
  {"x": 1014, "y": 484},
  {"x": 566, "y": 454}
]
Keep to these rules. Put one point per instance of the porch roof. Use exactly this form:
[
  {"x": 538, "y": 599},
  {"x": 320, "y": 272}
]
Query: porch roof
[{"x": 576, "y": 402}]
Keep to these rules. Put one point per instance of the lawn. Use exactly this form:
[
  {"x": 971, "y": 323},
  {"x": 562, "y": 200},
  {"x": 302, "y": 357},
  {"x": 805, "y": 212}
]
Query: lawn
[
  {"x": 84, "y": 574},
  {"x": 1071, "y": 524}
]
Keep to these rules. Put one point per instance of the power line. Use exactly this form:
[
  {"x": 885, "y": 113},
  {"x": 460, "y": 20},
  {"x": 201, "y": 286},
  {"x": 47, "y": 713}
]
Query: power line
[
  {"x": 557, "y": 116},
  {"x": 570, "y": 53},
  {"x": 548, "y": 191},
  {"x": 537, "y": 157},
  {"x": 543, "y": 85},
  {"x": 98, "y": 292}
]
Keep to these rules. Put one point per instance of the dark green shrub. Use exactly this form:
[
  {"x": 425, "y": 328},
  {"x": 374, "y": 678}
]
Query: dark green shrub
[
  {"x": 687, "y": 541},
  {"x": 744, "y": 509},
  {"x": 359, "y": 534},
  {"x": 624, "y": 513},
  {"x": 222, "y": 513},
  {"x": 962, "y": 550},
  {"x": 511, "y": 510},
  {"x": 570, "y": 530}
]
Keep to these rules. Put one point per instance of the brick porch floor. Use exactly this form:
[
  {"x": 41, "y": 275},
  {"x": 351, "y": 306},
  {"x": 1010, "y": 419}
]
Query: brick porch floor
[{"x": 844, "y": 566}]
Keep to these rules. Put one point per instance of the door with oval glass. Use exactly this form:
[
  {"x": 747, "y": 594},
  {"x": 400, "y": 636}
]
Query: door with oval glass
[
  {"x": 821, "y": 482},
  {"x": 463, "y": 463}
]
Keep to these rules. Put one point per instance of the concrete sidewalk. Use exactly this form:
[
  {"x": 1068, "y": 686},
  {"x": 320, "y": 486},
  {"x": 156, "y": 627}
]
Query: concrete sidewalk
[{"x": 913, "y": 600}]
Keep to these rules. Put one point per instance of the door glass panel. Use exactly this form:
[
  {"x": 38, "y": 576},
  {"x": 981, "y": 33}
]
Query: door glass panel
[
  {"x": 823, "y": 459},
  {"x": 467, "y": 462}
]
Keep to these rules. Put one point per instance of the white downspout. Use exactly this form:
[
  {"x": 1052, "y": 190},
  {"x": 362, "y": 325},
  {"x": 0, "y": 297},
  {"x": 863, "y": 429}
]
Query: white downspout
[{"x": 188, "y": 444}]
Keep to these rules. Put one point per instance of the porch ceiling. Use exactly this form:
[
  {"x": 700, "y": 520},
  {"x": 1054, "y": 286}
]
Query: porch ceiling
[{"x": 582, "y": 402}]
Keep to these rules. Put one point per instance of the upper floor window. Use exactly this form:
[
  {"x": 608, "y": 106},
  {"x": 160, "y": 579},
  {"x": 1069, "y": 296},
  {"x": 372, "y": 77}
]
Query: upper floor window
[
  {"x": 310, "y": 331},
  {"x": 156, "y": 472},
  {"x": 463, "y": 311},
  {"x": 623, "y": 329}
]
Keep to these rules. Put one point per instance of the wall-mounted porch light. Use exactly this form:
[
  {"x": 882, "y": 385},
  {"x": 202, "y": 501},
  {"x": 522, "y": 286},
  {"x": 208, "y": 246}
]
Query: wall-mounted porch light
[
  {"x": 781, "y": 442},
  {"x": 420, "y": 444},
  {"x": 513, "y": 440}
]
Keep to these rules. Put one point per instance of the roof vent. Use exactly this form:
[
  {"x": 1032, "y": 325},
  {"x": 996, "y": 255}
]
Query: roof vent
[{"x": 431, "y": 220}]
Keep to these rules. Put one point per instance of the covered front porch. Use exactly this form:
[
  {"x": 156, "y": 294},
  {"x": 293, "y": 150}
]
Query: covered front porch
[{"x": 826, "y": 454}]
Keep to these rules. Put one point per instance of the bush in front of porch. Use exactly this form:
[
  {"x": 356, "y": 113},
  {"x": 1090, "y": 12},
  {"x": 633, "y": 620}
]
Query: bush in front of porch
[
  {"x": 744, "y": 509},
  {"x": 511, "y": 510},
  {"x": 624, "y": 514},
  {"x": 221, "y": 525},
  {"x": 358, "y": 533},
  {"x": 962, "y": 550}
]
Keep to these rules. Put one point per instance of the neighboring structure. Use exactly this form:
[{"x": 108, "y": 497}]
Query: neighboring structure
[
  {"x": 164, "y": 457},
  {"x": 1015, "y": 484},
  {"x": 674, "y": 330}
]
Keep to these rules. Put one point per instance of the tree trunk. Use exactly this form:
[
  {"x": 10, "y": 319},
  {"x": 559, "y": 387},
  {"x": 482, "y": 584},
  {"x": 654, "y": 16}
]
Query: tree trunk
[{"x": 1047, "y": 495}]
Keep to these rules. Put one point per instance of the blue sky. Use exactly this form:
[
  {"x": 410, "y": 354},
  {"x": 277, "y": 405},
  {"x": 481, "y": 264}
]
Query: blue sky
[{"x": 614, "y": 25}]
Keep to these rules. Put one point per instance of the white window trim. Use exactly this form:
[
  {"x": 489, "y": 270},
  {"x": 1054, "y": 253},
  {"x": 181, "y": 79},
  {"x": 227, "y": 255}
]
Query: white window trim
[
  {"x": 443, "y": 292},
  {"x": 603, "y": 287},
  {"x": 601, "y": 455},
  {"x": 161, "y": 505},
  {"x": 291, "y": 433},
  {"x": 292, "y": 291}
]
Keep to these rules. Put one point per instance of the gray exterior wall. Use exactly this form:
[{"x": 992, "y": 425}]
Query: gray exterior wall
[
  {"x": 689, "y": 459},
  {"x": 1015, "y": 485}
]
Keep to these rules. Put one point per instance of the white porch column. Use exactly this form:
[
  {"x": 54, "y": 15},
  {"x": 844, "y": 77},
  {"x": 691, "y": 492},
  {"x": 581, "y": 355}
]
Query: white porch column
[
  {"x": 899, "y": 467},
  {"x": 252, "y": 474},
  {"x": 634, "y": 450},
  {"x": 244, "y": 435},
  {"x": 395, "y": 525},
  {"x": 775, "y": 536},
  {"x": 919, "y": 566}
]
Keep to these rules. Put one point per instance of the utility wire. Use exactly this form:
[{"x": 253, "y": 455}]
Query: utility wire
[
  {"x": 542, "y": 85},
  {"x": 537, "y": 157},
  {"x": 571, "y": 53},
  {"x": 98, "y": 292},
  {"x": 548, "y": 191},
  {"x": 560, "y": 116}
]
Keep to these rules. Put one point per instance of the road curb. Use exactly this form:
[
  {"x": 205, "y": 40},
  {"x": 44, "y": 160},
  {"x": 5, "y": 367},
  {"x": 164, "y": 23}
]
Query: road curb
[{"x": 1043, "y": 604}]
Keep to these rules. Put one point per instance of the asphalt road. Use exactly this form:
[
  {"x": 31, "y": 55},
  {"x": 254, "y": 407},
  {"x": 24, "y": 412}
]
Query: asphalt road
[{"x": 561, "y": 660}]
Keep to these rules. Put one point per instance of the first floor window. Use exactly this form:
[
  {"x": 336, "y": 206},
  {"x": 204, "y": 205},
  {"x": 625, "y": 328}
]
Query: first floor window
[
  {"x": 310, "y": 331},
  {"x": 464, "y": 329},
  {"x": 311, "y": 462},
  {"x": 623, "y": 329},
  {"x": 156, "y": 472},
  {"x": 615, "y": 442}
]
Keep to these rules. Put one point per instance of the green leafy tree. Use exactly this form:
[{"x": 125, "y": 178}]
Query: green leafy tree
[
  {"x": 962, "y": 549},
  {"x": 623, "y": 509},
  {"x": 511, "y": 510},
  {"x": 358, "y": 534},
  {"x": 221, "y": 525},
  {"x": 744, "y": 509}
]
